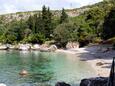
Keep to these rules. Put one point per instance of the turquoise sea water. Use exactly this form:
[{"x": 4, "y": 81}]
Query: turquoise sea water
[{"x": 44, "y": 68}]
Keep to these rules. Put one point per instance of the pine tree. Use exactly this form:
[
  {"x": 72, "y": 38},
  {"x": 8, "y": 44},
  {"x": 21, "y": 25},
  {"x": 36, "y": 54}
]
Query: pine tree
[
  {"x": 64, "y": 16},
  {"x": 34, "y": 28},
  {"x": 47, "y": 21},
  {"x": 32, "y": 23},
  {"x": 44, "y": 19},
  {"x": 39, "y": 25},
  {"x": 29, "y": 22}
]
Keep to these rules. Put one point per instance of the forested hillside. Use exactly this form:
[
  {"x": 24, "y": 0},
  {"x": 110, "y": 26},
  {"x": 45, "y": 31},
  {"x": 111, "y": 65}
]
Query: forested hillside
[{"x": 89, "y": 24}]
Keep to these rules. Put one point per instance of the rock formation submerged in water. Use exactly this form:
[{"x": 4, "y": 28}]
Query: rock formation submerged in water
[
  {"x": 98, "y": 81},
  {"x": 62, "y": 84}
]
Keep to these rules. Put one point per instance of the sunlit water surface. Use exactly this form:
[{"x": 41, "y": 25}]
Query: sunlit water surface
[{"x": 44, "y": 68}]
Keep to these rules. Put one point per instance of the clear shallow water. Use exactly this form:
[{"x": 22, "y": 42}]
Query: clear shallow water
[{"x": 43, "y": 68}]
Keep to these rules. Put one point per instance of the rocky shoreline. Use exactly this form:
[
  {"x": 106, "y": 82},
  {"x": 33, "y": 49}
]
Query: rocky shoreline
[
  {"x": 42, "y": 47},
  {"x": 27, "y": 47}
]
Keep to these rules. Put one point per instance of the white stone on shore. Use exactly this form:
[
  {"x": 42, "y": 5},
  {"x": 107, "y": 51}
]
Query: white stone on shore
[
  {"x": 44, "y": 50},
  {"x": 24, "y": 47},
  {"x": 53, "y": 48},
  {"x": 44, "y": 46},
  {"x": 71, "y": 45},
  {"x": 14, "y": 47},
  {"x": 3, "y": 47},
  {"x": 35, "y": 47}
]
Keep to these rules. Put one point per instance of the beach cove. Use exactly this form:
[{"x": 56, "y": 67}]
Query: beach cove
[
  {"x": 96, "y": 57},
  {"x": 70, "y": 66},
  {"x": 43, "y": 68}
]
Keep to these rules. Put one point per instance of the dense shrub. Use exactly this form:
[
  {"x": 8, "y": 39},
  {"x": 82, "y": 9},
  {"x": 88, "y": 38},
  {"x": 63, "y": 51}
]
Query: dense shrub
[{"x": 34, "y": 38}]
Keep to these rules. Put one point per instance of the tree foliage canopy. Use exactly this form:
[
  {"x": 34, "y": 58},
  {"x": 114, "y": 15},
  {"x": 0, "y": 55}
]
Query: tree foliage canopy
[{"x": 95, "y": 23}]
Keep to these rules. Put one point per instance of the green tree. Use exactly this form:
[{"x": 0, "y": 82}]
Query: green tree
[
  {"x": 65, "y": 32},
  {"x": 14, "y": 31},
  {"x": 49, "y": 24},
  {"x": 109, "y": 25},
  {"x": 64, "y": 16},
  {"x": 47, "y": 21},
  {"x": 2, "y": 29},
  {"x": 30, "y": 22},
  {"x": 35, "y": 38},
  {"x": 39, "y": 24},
  {"x": 95, "y": 17}
]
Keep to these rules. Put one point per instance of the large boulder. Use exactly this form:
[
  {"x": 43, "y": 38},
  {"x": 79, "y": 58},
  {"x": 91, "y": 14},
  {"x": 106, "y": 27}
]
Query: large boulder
[
  {"x": 53, "y": 48},
  {"x": 72, "y": 45},
  {"x": 44, "y": 50},
  {"x": 35, "y": 47},
  {"x": 98, "y": 81},
  {"x": 24, "y": 47},
  {"x": 3, "y": 47},
  {"x": 62, "y": 84},
  {"x": 44, "y": 46},
  {"x": 13, "y": 47}
]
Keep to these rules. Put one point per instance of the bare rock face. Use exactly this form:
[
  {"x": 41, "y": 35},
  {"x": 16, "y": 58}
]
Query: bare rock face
[
  {"x": 62, "y": 84},
  {"x": 98, "y": 81}
]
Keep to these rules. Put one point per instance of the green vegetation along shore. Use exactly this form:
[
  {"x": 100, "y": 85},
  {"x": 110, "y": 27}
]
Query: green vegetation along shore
[{"x": 93, "y": 25}]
